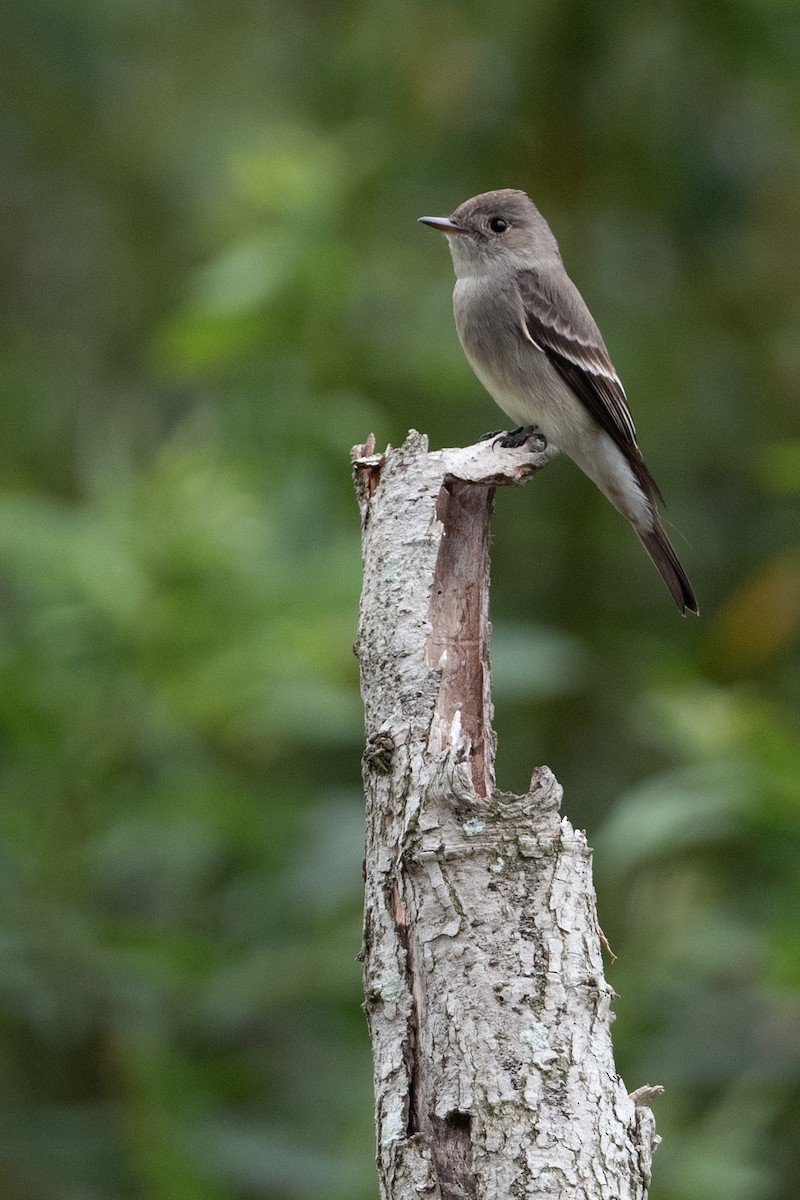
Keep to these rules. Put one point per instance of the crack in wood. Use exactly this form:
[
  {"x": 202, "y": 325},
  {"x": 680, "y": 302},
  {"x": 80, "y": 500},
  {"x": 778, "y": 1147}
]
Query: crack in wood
[
  {"x": 452, "y": 1156},
  {"x": 458, "y": 642}
]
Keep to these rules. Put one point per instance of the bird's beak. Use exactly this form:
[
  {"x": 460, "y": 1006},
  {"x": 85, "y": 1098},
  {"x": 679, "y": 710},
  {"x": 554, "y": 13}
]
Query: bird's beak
[{"x": 443, "y": 224}]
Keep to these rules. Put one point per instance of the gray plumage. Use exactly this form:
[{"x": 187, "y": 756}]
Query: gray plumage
[{"x": 535, "y": 347}]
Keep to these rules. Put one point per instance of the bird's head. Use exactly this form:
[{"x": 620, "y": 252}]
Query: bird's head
[{"x": 503, "y": 227}]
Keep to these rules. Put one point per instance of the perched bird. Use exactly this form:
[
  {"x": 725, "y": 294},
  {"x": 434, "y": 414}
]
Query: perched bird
[{"x": 535, "y": 347}]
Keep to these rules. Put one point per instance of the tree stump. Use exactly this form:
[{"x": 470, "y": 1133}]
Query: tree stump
[{"x": 485, "y": 995}]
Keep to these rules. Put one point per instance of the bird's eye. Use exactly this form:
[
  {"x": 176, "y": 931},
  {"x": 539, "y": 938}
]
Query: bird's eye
[{"x": 498, "y": 225}]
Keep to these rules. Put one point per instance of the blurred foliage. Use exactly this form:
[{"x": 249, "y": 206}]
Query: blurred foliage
[{"x": 212, "y": 286}]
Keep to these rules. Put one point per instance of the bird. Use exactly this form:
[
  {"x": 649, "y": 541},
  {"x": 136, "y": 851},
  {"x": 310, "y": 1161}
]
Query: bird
[{"x": 531, "y": 341}]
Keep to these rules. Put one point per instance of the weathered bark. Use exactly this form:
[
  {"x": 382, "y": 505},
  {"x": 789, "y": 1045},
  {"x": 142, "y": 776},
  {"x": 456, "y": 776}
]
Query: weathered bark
[{"x": 487, "y": 1005}]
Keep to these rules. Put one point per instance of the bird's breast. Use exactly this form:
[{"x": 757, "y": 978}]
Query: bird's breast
[{"x": 517, "y": 375}]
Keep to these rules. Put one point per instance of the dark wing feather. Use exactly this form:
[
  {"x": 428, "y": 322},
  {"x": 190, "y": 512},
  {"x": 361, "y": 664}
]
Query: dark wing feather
[{"x": 559, "y": 323}]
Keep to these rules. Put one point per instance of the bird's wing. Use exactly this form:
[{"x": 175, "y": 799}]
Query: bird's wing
[{"x": 558, "y": 322}]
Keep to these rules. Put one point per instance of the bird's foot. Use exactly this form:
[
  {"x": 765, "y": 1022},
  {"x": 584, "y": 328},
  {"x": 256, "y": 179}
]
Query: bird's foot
[{"x": 512, "y": 440}]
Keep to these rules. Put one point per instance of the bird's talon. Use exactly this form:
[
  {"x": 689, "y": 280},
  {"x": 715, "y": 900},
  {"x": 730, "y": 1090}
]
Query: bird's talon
[{"x": 517, "y": 437}]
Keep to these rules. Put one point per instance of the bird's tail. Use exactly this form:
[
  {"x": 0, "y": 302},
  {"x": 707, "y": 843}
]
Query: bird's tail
[{"x": 659, "y": 547}]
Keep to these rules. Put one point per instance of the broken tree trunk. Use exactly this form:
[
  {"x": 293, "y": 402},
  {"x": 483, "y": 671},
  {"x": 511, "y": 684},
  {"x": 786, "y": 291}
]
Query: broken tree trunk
[{"x": 487, "y": 1005}]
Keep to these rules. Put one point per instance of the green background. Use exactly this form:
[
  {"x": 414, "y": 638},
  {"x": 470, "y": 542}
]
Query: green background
[{"x": 212, "y": 286}]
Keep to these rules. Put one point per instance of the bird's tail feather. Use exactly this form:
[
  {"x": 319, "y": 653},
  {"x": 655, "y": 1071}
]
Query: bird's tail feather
[{"x": 659, "y": 547}]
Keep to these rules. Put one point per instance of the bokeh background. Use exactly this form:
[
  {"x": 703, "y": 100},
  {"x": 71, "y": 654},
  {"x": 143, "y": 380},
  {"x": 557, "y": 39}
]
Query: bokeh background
[{"x": 212, "y": 286}]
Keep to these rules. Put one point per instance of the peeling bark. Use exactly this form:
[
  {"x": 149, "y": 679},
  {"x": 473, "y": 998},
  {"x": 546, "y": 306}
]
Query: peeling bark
[{"x": 485, "y": 995}]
